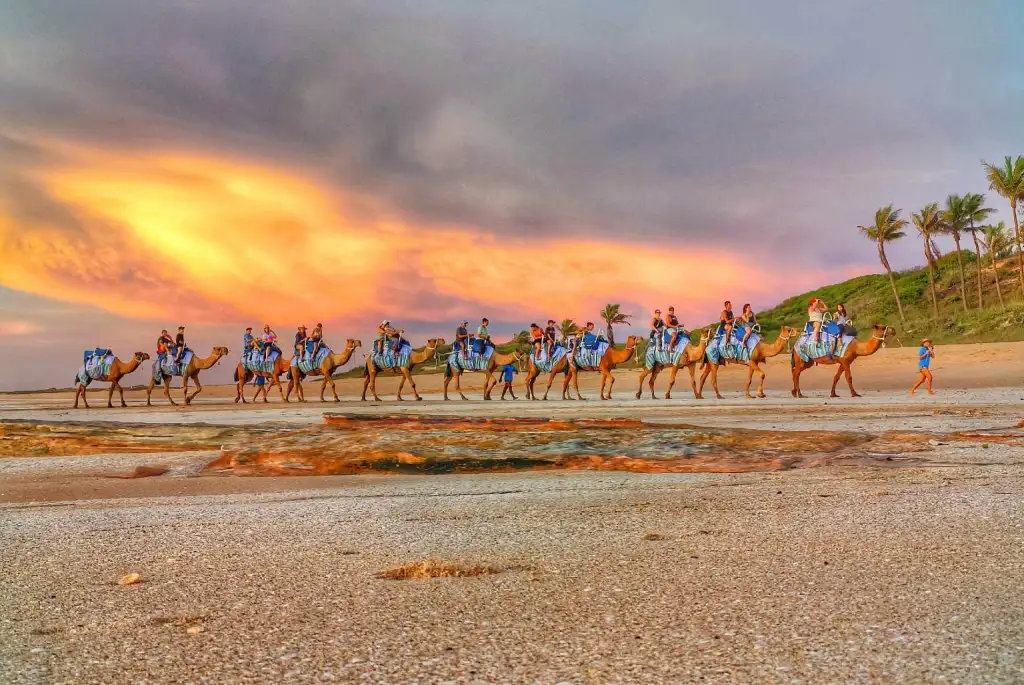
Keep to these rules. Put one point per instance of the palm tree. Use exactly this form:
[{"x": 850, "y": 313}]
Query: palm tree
[
  {"x": 997, "y": 240},
  {"x": 568, "y": 328},
  {"x": 977, "y": 212},
  {"x": 928, "y": 224},
  {"x": 888, "y": 227},
  {"x": 612, "y": 316},
  {"x": 1008, "y": 181},
  {"x": 954, "y": 222}
]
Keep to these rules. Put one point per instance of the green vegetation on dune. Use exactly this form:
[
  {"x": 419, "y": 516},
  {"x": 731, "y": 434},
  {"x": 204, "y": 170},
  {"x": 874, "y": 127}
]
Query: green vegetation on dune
[{"x": 869, "y": 300}]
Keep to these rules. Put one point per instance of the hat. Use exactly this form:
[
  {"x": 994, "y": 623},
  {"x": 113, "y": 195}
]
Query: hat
[
  {"x": 551, "y": 320},
  {"x": 181, "y": 328},
  {"x": 465, "y": 321},
  {"x": 926, "y": 340},
  {"x": 248, "y": 328},
  {"x": 814, "y": 301},
  {"x": 302, "y": 328},
  {"x": 385, "y": 322},
  {"x": 657, "y": 311},
  {"x": 534, "y": 325}
]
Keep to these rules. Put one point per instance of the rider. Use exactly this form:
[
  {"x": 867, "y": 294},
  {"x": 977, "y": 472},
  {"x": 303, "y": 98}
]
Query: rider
[
  {"x": 462, "y": 338},
  {"x": 179, "y": 342},
  {"x": 816, "y": 315},
  {"x": 482, "y": 336},
  {"x": 537, "y": 339},
  {"x": 749, "y": 321},
  {"x": 550, "y": 336},
  {"x": 248, "y": 342},
  {"x": 725, "y": 321},
  {"x": 300, "y": 342},
  {"x": 162, "y": 344},
  {"x": 269, "y": 342},
  {"x": 316, "y": 338},
  {"x": 383, "y": 331},
  {"x": 657, "y": 329},
  {"x": 589, "y": 336},
  {"x": 672, "y": 326}
]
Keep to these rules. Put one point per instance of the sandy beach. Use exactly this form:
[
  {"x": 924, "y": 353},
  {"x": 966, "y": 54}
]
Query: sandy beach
[{"x": 876, "y": 539}]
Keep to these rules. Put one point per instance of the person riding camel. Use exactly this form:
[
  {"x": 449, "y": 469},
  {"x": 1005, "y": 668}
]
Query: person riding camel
[
  {"x": 462, "y": 338},
  {"x": 725, "y": 319},
  {"x": 749, "y": 321},
  {"x": 163, "y": 344},
  {"x": 657, "y": 329},
  {"x": 383, "y": 331},
  {"x": 537, "y": 339},
  {"x": 589, "y": 336},
  {"x": 300, "y": 341},
  {"x": 483, "y": 337},
  {"x": 317, "y": 338},
  {"x": 269, "y": 342},
  {"x": 672, "y": 327},
  {"x": 816, "y": 316},
  {"x": 179, "y": 343},
  {"x": 550, "y": 336},
  {"x": 248, "y": 342}
]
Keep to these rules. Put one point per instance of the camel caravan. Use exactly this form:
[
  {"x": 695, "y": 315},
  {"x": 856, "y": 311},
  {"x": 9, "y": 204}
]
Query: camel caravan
[{"x": 546, "y": 354}]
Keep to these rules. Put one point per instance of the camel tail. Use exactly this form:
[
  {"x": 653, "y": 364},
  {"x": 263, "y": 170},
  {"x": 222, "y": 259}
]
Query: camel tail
[
  {"x": 366, "y": 372},
  {"x": 236, "y": 375},
  {"x": 447, "y": 370}
]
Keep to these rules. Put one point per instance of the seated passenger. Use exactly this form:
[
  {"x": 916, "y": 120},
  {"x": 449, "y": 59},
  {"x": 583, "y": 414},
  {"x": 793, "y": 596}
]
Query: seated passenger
[
  {"x": 269, "y": 342},
  {"x": 749, "y": 321},
  {"x": 462, "y": 338},
  {"x": 383, "y": 331},
  {"x": 657, "y": 329},
  {"x": 536, "y": 339},
  {"x": 725, "y": 321},
  {"x": 179, "y": 343},
  {"x": 482, "y": 336},
  {"x": 550, "y": 336},
  {"x": 815, "y": 315},
  {"x": 672, "y": 328},
  {"x": 317, "y": 338},
  {"x": 589, "y": 336},
  {"x": 300, "y": 342}
]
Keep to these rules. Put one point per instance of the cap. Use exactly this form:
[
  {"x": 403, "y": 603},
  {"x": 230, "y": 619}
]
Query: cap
[
  {"x": 926, "y": 340},
  {"x": 248, "y": 328},
  {"x": 465, "y": 321},
  {"x": 385, "y": 322},
  {"x": 551, "y": 320},
  {"x": 814, "y": 301}
]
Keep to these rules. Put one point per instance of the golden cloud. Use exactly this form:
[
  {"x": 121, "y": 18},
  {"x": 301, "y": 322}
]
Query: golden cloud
[{"x": 217, "y": 240}]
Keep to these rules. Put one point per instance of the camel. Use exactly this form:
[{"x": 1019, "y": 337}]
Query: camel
[
  {"x": 328, "y": 366},
  {"x": 760, "y": 353},
  {"x": 612, "y": 358},
  {"x": 242, "y": 376},
  {"x": 561, "y": 366},
  {"x": 416, "y": 358},
  {"x": 118, "y": 370},
  {"x": 495, "y": 362},
  {"x": 191, "y": 372},
  {"x": 857, "y": 348},
  {"x": 689, "y": 358}
]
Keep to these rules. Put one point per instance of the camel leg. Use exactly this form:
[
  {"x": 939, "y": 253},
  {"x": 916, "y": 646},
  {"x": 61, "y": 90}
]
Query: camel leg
[
  {"x": 199, "y": 389},
  {"x": 407, "y": 376},
  {"x": 693, "y": 381},
  {"x": 714, "y": 380},
  {"x": 551, "y": 380},
  {"x": 640, "y": 387},
  {"x": 565, "y": 386},
  {"x": 835, "y": 380},
  {"x": 458, "y": 384},
  {"x": 167, "y": 390},
  {"x": 447, "y": 380},
  {"x": 671, "y": 381},
  {"x": 149, "y": 392},
  {"x": 110, "y": 396},
  {"x": 373, "y": 386},
  {"x": 760, "y": 385},
  {"x": 611, "y": 382},
  {"x": 78, "y": 393},
  {"x": 750, "y": 377},
  {"x": 703, "y": 377},
  {"x": 334, "y": 388},
  {"x": 849, "y": 379},
  {"x": 655, "y": 372},
  {"x": 120, "y": 393},
  {"x": 576, "y": 384}
]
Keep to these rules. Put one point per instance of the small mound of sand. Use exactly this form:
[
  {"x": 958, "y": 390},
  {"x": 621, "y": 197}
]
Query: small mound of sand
[
  {"x": 652, "y": 537},
  {"x": 139, "y": 472},
  {"x": 430, "y": 568}
]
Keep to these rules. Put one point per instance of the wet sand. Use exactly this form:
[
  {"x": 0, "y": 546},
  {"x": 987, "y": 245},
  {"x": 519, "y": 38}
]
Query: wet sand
[{"x": 895, "y": 556}]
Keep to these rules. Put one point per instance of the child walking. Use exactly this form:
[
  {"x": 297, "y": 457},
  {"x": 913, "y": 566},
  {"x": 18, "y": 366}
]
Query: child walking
[
  {"x": 508, "y": 372},
  {"x": 924, "y": 359}
]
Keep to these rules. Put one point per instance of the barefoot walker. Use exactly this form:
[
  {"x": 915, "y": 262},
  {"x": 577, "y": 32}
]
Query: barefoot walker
[{"x": 924, "y": 362}]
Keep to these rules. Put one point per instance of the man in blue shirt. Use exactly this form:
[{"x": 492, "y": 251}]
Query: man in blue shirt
[
  {"x": 925, "y": 354},
  {"x": 508, "y": 372}
]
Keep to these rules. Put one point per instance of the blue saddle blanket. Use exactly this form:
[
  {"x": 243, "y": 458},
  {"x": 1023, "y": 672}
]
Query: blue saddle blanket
[
  {"x": 471, "y": 360},
  {"x": 95, "y": 366},
  {"x": 253, "y": 360},
  {"x": 590, "y": 358},
  {"x": 391, "y": 359},
  {"x": 830, "y": 346},
  {"x": 720, "y": 349},
  {"x": 306, "y": 364},
  {"x": 168, "y": 367},
  {"x": 662, "y": 355},
  {"x": 545, "y": 362}
]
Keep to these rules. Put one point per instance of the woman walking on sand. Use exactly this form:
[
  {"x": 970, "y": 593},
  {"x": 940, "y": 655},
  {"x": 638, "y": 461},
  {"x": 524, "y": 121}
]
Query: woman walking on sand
[{"x": 924, "y": 359}]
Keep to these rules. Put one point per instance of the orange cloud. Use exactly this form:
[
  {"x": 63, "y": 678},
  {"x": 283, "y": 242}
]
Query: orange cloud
[{"x": 219, "y": 240}]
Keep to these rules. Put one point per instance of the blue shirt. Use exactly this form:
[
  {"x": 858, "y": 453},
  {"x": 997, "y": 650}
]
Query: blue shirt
[
  {"x": 509, "y": 371},
  {"x": 246, "y": 342},
  {"x": 926, "y": 361}
]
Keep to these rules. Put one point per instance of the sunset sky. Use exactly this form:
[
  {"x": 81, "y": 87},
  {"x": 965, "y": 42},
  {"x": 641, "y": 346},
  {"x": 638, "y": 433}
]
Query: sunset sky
[{"x": 230, "y": 163}]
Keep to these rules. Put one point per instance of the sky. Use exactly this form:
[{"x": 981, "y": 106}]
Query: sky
[{"x": 240, "y": 162}]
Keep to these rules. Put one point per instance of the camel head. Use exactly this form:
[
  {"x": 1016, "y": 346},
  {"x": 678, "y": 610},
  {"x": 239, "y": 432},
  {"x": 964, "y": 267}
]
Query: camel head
[
  {"x": 141, "y": 356},
  {"x": 705, "y": 335},
  {"x": 352, "y": 344},
  {"x": 434, "y": 342},
  {"x": 787, "y": 332},
  {"x": 221, "y": 351},
  {"x": 882, "y": 332},
  {"x": 633, "y": 341}
]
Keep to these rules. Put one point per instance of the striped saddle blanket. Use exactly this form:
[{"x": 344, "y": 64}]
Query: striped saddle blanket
[
  {"x": 829, "y": 347},
  {"x": 168, "y": 367},
  {"x": 253, "y": 361},
  {"x": 471, "y": 360},
  {"x": 719, "y": 349},
  {"x": 95, "y": 367},
  {"x": 306, "y": 364},
  {"x": 391, "y": 359},
  {"x": 590, "y": 358},
  {"x": 545, "y": 362},
  {"x": 662, "y": 355}
]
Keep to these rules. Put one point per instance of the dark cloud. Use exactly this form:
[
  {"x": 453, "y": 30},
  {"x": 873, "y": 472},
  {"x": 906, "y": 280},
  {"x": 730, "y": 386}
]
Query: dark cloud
[{"x": 754, "y": 127}]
